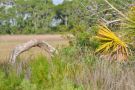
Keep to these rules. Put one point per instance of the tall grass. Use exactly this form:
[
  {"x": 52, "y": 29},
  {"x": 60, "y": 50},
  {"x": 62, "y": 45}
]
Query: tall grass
[{"x": 70, "y": 70}]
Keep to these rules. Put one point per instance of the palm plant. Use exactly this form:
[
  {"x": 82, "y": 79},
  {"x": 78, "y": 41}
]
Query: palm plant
[{"x": 111, "y": 46}]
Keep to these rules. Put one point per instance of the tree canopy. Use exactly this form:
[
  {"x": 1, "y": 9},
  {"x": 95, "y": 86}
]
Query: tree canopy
[{"x": 37, "y": 16}]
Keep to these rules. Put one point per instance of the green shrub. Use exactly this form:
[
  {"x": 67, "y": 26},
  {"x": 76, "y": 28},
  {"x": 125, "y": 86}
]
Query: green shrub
[{"x": 26, "y": 85}]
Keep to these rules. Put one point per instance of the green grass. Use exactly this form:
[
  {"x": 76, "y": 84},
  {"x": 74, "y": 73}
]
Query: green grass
[{"x": 70, "y": 70}]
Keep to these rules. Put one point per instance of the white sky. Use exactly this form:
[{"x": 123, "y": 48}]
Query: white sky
[{"x": 56, "y": 2}]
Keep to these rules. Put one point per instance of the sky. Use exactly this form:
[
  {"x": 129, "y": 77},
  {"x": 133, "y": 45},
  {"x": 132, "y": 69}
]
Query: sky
[{"x": 57, "y": 2}]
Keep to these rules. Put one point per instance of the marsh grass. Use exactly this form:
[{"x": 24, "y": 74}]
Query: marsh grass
[{"x": 69, "y": 71}]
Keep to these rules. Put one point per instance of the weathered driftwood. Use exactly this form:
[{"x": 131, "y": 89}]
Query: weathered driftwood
[{"x": 28, "y": 45}]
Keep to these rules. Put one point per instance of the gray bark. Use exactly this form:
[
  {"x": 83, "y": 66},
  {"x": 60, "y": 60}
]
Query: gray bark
[{"x": 28, "y": 45}]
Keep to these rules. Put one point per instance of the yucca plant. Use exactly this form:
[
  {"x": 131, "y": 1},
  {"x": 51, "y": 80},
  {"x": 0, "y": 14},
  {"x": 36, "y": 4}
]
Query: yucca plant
[{"x": 111, "y": 46}]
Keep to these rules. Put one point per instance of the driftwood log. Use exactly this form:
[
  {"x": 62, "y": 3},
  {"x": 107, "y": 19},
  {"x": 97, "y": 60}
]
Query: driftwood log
[{"x": 28, "y": 45}]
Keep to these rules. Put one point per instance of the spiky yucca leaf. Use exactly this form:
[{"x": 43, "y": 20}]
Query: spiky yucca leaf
[{"x": 111, "y": 45}]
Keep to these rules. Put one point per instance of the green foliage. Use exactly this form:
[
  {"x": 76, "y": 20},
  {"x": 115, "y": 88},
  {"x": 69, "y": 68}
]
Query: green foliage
[
  {"x": 39, "y": 19},
  {"x": 85, "y": 12},
  {"x": 26, "y": 85},
  {"x": 59, "y": 74},
  {"x": 128, "y": 27},
  {"x": 84, "y": 37},
  {"x": 10, "y": 82},
  {"x": 67, "y": 71},
  {"x": 40, "y": 71}
]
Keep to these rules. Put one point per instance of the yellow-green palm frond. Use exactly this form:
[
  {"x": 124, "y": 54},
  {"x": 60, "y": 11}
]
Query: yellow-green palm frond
[{"x": 111, "y": 45}]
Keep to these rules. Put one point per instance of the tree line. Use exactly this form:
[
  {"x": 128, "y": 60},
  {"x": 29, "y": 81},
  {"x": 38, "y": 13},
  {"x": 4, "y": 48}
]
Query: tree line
[{"x": 42, "y": 16}]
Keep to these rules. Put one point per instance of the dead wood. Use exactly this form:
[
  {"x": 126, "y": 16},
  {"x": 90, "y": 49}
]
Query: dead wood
[{"x": 28, "y": 45}]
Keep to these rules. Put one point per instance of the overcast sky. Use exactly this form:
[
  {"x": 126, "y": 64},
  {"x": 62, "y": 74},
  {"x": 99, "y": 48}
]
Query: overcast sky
[{"x": 56, "y": 2}]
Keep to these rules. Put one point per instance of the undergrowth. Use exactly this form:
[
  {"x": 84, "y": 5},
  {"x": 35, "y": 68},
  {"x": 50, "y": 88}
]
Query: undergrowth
[{"x": 70, "y": 70}]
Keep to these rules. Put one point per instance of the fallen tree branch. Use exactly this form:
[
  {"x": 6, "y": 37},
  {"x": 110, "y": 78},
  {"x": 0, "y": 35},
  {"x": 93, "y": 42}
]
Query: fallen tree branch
[
  {"x": 28, "y": 45},
  {"x": 110, "y": 22}
]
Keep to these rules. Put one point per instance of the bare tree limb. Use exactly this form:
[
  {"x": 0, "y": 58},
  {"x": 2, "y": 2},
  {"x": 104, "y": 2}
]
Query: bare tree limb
[
  {"x": 110, "y": 22},
  {"x": 28, "y": 45}
]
